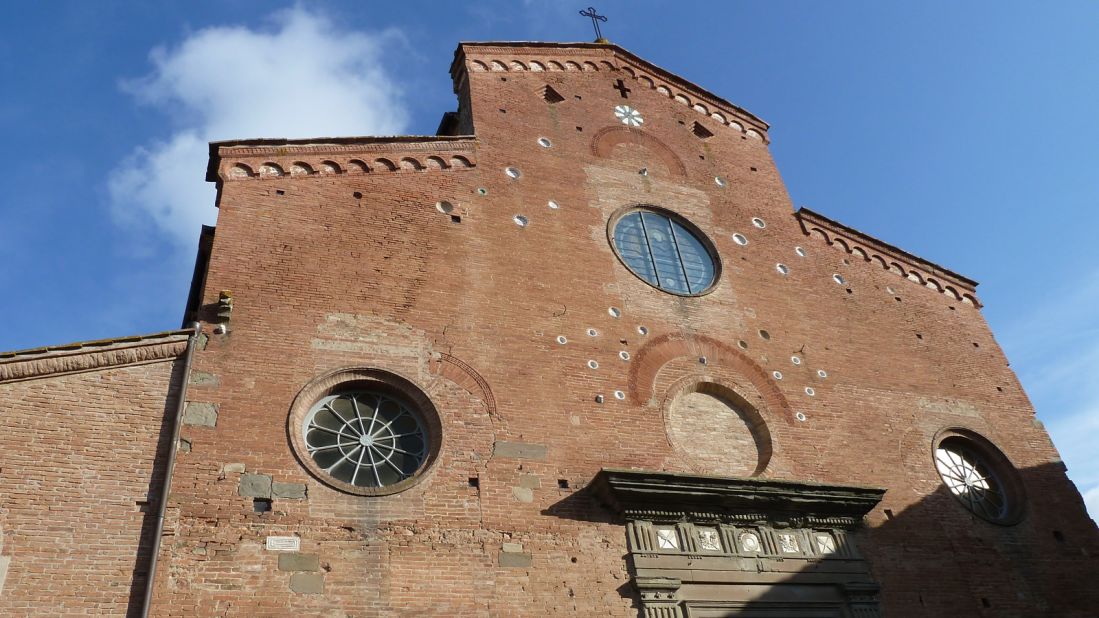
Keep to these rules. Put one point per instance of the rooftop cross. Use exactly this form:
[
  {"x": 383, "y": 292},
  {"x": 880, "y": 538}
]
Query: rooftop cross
[{"x": 595, "y": 19}]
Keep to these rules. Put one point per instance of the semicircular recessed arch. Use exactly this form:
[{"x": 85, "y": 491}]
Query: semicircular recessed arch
[
  {"x": 658, "y": 352},
  {"x": 604, "y": 141}
]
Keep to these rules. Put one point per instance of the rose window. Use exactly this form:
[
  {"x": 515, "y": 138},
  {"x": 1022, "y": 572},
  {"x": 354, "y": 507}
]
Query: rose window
[
  {"x": 364, "y": 438},
  {"x": 971, "y": 480}
]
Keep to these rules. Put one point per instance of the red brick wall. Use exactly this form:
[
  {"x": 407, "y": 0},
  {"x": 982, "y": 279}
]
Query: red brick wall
[
  {"x": 322, "y": 279},
  {"x": 81, "y": 464}
]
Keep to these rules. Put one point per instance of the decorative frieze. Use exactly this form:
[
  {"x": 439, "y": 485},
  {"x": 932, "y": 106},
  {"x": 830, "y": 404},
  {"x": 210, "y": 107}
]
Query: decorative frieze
[
  {"x": 91, "y": 355},
  {"x": 264, "y": 159},
  {"x": 888, "y": 257},
  {"x": 762, "y": 541},
  {"x": 580, "y": 57}
]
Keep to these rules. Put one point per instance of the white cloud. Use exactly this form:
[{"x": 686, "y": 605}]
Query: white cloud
[{"x": 303, "y": 77}]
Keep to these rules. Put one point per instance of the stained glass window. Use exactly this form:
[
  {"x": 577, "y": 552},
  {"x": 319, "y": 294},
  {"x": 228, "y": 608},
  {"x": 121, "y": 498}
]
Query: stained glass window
[{"x": 662, "y": 251}]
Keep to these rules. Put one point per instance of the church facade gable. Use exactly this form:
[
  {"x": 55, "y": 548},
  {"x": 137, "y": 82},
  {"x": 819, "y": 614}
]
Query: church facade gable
[{"x": 575, "y": 355}]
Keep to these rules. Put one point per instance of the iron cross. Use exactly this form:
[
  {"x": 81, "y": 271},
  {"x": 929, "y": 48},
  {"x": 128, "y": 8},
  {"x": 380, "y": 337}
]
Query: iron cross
[{"x": 595, "y": 19}]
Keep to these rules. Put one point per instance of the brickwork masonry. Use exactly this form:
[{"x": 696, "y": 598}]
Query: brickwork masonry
[
  {"x": 478, "y": 273},
  {"x": 494, "y": 289},
  {"x": 86, "y": 429}
]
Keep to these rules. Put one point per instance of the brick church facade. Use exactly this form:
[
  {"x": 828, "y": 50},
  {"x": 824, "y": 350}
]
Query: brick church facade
[{"x": 576, "y": 354}]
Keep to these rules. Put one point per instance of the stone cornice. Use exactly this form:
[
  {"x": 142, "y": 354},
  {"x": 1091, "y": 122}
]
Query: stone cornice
[
  {"x": 550, "y": 57},
  {"x": 274, "y": 158},
  {"x": 888, "y": 257},
  {"x": 695, "y": 496},
  {"x": 91, "y": 355}
]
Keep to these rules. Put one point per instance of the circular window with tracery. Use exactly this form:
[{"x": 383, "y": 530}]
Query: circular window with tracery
[
  {"x": 364, "y": 438},
  {"x": 665, "y": 251},
  {"x": 979, "y": 476},
  {"x": 364, "y": 431}
]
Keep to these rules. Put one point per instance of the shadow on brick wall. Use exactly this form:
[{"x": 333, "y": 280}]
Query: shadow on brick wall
[
  {"x": 150, "y": 509},
  {"x": 936, "y": 558},
  {"x": 581, "y": 505},
  {"x": 933, "y": 558}
]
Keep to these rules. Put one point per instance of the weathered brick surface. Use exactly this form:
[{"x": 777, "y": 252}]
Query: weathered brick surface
[
  {"x": 703, "y": 414},
  {"x": 82, "y": 459}
]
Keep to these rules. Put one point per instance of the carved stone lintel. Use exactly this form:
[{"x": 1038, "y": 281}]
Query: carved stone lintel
[
  {"x": 738, "y": 537},
  {"x": 668, "y": 496}
]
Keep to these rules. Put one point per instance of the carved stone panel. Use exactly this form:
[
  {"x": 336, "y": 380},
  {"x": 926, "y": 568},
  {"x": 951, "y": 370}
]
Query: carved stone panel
[{"x": 708, "y": 547}]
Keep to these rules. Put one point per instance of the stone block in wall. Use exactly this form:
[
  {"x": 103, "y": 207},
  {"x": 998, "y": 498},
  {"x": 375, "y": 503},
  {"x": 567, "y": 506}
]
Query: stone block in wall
[
  {"x": 294, "y": 561},
  {"x": 519, "y": 450},
  {"x": 291, "y": 491},
  {"x": 255, "y": 486},
  {"x": 202, "y": 378},
  {"x": 4, "y": 562},
  {"x": 514, "y": 561},
  {"x": 307, "y": 583},
  {"x": 201, "y": 414}
]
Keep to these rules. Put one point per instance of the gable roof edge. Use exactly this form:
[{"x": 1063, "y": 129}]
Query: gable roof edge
[
  {"x": 889, "y": 257},
  {"x": 457, "y": 69},
  {"x": 18, "y": 365}
]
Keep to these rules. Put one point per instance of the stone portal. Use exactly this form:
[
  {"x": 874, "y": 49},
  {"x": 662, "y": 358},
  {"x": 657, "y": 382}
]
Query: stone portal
[{"x": 710, "y": 546}]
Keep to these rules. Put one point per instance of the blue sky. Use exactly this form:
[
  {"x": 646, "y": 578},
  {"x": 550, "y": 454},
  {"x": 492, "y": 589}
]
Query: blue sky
[{"x": 962, "y": 132}]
